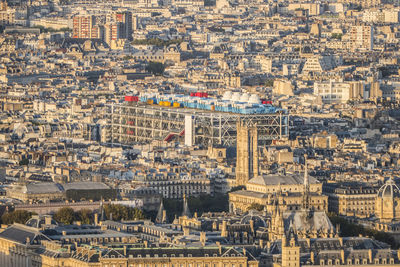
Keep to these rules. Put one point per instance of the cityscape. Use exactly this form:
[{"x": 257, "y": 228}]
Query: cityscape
[{"x": 199, "y": 133}]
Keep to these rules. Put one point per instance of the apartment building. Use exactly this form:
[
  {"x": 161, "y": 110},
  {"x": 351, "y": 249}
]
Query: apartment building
[
  {"x": 361, "y": 38},
  {"x": 83, "y": 26},
  {"x": 338, "y": 91}
]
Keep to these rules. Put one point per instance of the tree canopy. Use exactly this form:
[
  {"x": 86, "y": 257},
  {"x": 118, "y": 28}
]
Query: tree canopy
[
  {"x": 156, "y": 41},
  {"x": 351, "y": 229},
  {"x": 85, "y": 216},
  {"x": 256, "y": 206},
  {"x": 65, "y": 215},
  {"x": 269, "y": 82},
  {"x": 156, "y": 68},
  {"x": 17, "y": 216},
  {"x": 121, "y": 212}
]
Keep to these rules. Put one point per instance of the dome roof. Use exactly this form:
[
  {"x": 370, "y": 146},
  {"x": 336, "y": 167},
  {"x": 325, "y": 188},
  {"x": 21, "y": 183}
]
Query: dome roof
[
  {"x": 227, "y": 95},
  {"x": 254, "y": 99},
  {"x": 236, "y": 96},
  {"x": 389, "y": 189},
  {"x": 244, "y": 97}
]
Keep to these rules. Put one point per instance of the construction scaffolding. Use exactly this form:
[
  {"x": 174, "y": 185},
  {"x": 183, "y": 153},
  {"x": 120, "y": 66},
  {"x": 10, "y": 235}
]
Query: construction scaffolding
[{"x": 132, "y": 123}]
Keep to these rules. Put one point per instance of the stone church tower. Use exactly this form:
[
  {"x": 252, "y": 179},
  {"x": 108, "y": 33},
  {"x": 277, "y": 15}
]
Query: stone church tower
[
  {"x": 290, "y": 249},
  {"x": 247, "y": 153}
]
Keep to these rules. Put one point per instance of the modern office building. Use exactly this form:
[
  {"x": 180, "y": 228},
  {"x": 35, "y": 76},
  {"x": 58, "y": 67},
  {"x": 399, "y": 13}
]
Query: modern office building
[{"x": 193, "y": 119}]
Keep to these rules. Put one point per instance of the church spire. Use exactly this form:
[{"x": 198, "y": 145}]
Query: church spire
[
  {"x": 161, "y": 214},
  {"x": 186, "y": 211}
]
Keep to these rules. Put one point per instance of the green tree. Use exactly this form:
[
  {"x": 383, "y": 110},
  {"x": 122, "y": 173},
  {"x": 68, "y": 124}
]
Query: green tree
[
  {"x": 127, "y": 58},
  {"x": 237, "y": 188},
  {"x": 85, "y": 216},
  {"x": 65, "y": 215},
  {"x": 156, "y": 41},
  {"x": 49, "y": 29},
  {"x": 137, "y": 214},
  {"x": 337, "y": 36},
  {"x": 121, "y": 212},
  {"x": 17, "y": 216},
  {"x": 351, "y": 229},
  {"x": 269, "y": 82},
  {"x": 156, "y": 68},
  {"x": 23, "y": 162},
  {"x": 256, "y": 206}
]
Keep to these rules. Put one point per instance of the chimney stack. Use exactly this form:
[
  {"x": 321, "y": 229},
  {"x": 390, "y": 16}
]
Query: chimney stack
[{"x": 203, "y": 238}]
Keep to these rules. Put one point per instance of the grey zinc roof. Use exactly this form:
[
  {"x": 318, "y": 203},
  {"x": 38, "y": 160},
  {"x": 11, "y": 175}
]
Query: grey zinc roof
[
  {"x": 50, "y": 187},
  {"x": 248, "y": 193},
  {"x": 42, "y": 188},
  {"x": 20, "y": 234},
  {"x": 275, "y": 179},
  {"x": 302, "y": 222},
  {"x": 85, "y": 185},
  {"x": 175, "y": 252},
  {"x": 333, "y": 245}
]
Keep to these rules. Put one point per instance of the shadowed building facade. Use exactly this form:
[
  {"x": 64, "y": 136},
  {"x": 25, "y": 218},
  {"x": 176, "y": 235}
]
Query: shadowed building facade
[{"x": 247, "y": 153}]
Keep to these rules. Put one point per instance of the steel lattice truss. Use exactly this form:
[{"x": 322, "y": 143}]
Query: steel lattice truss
[{"x": 142, "y": 123}]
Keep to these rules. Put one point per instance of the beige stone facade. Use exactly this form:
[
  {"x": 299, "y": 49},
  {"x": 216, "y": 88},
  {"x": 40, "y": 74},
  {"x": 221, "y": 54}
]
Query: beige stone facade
[
  {"x": 285, "y": 190},
  {"x": 39, "y": 252},
  {"x": 387, "y": 206}
]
